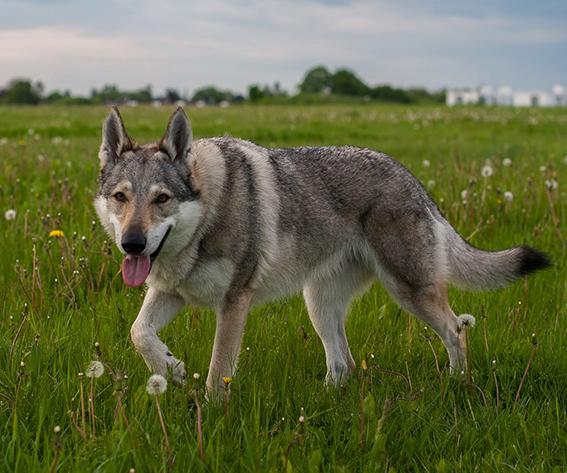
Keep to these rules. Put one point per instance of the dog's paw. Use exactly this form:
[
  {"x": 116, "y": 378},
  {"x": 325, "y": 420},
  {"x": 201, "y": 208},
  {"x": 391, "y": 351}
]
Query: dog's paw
[
  {"x": 177, "y": 370},
  {"x": 338, "y": 374}
]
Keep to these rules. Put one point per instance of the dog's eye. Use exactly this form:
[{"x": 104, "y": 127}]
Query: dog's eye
[
  {"x": 120, "y": 197},
  {"x": 162, "y": 198}
]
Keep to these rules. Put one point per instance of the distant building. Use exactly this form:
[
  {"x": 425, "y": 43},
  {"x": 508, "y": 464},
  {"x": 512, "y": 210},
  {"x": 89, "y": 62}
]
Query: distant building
[{"x": 504, "y": 95}]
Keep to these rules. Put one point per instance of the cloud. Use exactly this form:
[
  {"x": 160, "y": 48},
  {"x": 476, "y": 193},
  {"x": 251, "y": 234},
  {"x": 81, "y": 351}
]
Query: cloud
[
  {"x": 234, "y": 43},
  {"x": 47, "y": 44}
]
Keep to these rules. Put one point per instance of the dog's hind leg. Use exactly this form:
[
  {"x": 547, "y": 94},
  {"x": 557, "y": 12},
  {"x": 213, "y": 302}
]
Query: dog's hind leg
[
  {"x": 411, "y": 263},
  {"x": 430, "y": 304},
  {"x": 157, "y": 311},
  {"x": 327, "y": 299}
]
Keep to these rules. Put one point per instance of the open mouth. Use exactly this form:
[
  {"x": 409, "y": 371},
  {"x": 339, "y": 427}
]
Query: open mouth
[{"x": 136, "y": 269}]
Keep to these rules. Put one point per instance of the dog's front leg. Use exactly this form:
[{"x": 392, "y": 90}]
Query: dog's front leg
[
  {"x": 157, "y": 311},
  {"x": 228, "y": 337}
]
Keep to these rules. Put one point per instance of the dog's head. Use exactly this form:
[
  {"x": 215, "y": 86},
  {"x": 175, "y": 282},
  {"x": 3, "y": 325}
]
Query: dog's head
[{"x": 147, "y": 200}]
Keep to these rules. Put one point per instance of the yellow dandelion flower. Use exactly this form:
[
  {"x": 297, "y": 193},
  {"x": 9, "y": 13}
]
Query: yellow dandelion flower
[
  {"x": 227, "y": 380},
  {"x": 56, "y": 233}
]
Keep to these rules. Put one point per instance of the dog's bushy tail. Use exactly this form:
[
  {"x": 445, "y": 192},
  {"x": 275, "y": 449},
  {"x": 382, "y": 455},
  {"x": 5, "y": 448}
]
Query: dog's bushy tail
[{"x": 475, "y": 269}]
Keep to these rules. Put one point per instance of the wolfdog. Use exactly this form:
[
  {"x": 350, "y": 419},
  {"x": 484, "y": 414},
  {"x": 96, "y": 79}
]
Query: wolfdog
[{"x": 227, "y": 224}]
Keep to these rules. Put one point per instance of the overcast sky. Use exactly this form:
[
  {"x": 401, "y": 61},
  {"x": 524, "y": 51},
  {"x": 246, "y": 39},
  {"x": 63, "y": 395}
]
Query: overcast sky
[{"x": 80, "y": 44}]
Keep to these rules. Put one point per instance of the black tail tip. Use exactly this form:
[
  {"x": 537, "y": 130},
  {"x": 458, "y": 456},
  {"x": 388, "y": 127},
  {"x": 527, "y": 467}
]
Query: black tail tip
[{"x": 532, "y": 260}]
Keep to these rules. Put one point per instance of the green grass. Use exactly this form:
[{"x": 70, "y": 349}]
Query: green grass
[{"x": 60, "y": 296}]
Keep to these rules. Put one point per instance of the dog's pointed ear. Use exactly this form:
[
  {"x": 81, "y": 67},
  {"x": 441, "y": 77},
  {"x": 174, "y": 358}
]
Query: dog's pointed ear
[
  {"x": 178, "y": 137},
  {"x": 115, "y": 140}
]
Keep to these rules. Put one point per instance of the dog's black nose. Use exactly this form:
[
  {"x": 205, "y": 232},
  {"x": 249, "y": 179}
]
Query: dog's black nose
[{"x": 133, "y": 243}]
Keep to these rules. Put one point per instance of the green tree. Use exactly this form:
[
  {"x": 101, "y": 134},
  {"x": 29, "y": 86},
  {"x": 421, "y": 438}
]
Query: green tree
[
  {"x": 22, "y": 91},
  {"x": 255, "y": 93},
  {"x": 316, "y": 81},
  {"x": 172, "y": 95},
  {"x": 143, "y": 95},
  {"x": 211, "y": 95},
  {"x": 386, "y": 93},
  {"x": 346, "y": 82}
]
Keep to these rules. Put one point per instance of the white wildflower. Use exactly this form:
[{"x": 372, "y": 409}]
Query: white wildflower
[
  {"x": 551, "y": 184},
  {"x": 157, "y": 384},
  {"x": 486, "y": 171},
  {"x": 95, "y": 369},
  {"x": 543, "y": 168},
  {"x": 507, "y": 162},
  {"x": 426, "y": 163},
  {"x": 10, "y": 214},
  {"x": 508, "y": 196},
  {"x": 464, "y": 194},
  {"x": 301, "y": 419}
]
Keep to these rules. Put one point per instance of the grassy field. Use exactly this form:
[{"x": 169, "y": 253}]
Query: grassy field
[{"x": 63, "y": 305}]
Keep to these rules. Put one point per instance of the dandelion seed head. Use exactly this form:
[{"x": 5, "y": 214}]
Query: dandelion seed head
[
  {"x": 196, "y": 376},
  {"x": 508, "y": 196},
  {"x": 507, "y": 162},
  {"x": 466, "y": 319},
  {"x": 486, "y": 171},
  {"x": 431, "y": 184},
  {"x": 426, "y": 163},
  {"x": 57, "y": 429},
  {"x": 543, "y": 168},
  {"x": 10, "y": 214},
  {"x": 95, "y": 369},
  {"x": 157, "y": 384},
  {"x": 464, "y": 194},
  {"x": 301, "y": 419}
]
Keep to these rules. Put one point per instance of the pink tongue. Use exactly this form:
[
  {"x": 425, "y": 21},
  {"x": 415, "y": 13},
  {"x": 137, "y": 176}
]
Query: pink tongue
[{"x": 135, "y": 270}]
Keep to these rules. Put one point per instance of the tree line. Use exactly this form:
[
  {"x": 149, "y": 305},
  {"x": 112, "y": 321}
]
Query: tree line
[{"x": 319, "y": 85}]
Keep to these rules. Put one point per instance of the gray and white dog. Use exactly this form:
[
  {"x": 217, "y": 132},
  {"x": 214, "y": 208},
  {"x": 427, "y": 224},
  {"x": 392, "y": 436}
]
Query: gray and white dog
[{"x": 227, "y": 224}]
